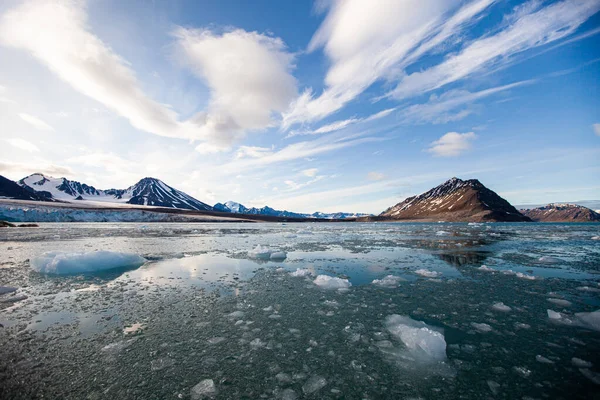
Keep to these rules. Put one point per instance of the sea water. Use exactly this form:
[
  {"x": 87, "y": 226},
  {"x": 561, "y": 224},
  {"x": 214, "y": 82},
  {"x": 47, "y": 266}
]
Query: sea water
[{"x": 343, "y": 311}]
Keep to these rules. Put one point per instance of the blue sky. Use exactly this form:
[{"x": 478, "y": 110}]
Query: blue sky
[{"x": 328, "y": 106}]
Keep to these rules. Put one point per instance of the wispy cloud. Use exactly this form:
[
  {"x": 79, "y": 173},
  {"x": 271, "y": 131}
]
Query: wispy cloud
[
  {"x": 22, "y": 144},
  {"x": 338, "y": 125},
  {"x": 452, "y": 105},
  {"x": 36, "y": 122},
  {"x": 452, "y": 144},
  {"x": 596, "y": 128},
  {"x": 375, "y": 176},
  {"x": 249, "y": 76},
  {"x": 365, "y": 44},
  {"x": 529, "y": 27}
]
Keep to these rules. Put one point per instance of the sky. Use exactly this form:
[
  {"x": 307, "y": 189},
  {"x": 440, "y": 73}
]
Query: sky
[{"x": 305, "y": 106}]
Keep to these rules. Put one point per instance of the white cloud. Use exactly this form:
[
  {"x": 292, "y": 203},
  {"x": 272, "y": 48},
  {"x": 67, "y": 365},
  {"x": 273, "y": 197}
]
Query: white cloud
[
  {"x": 528, "y": 27},
  {"x": 249, "y": 75},
  {"x": 311, "y": 172},
  {"x": 443, "y": 108},
  {"x": 596, "y": 128},
  {"x": 375, "y": 176},
  {"x": 36, "y": 122},
  {"x": 367, "y": 43},
  {"x": 212, "y": 148},
  {"x": 57, "y": 34},
  {"x": 339, "y": 125},
  {"x": 452, "y": 144},
  {"x": 253, "y": 152},
  {"x": 23, "y": 144},
  {"x": 17, "y": 171}
]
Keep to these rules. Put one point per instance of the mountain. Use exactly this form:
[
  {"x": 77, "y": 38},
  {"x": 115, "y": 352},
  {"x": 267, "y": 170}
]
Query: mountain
[
  {"x": 592, "y": 204},
  {"x": 12, "y": 190},
  {"x": 556, "y": 212},
  {"x": 457, "y": 201},
  {"x": 148, "y": 192},
  {"x": 237, "y": 208}
]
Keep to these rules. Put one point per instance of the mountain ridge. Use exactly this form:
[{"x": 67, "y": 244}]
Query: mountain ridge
[
  {"x": 455, "y": 200},
  {"x": 562, "y": 212},
  {"x": 238, "y": 208}
]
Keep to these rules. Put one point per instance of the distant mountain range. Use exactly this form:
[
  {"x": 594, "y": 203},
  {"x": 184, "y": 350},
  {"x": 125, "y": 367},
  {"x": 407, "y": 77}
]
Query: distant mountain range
[
  {"x": 237, "y": 208},
  {"x": 147, "y": 192},
  {"x": 561, "y": 212},
  {"x": 455, "y": 200}
]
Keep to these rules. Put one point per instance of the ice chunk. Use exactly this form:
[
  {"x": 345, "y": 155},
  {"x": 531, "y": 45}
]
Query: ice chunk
[
  {"x": 554, "y": 315},
  {"x": 485, "y": 268},
  {"x": 216, "y": 340},
  {"x": 389, "y": 281},
  {"x": 161, "y": 363},
  {"x": 313, "y": 384},
  {"x": 525, "y": 276},
  {"x": 205, "y": 389},
  {"x": 423, "y": 342},
  {"x": 428, "y": 274},
  {"x": 278, "y": 255},
  {"x": 591, "y": 375},
  {"x": 288, "y": 394},
  {"x": 579, "y": 363},
  {"x": 481, "y": 327},
  {"x": 501, "y": 307},
  {"x": 301, "y": 272},
  {"x": 235, "y": 315},
  {"x": 543, "y": 360},
  {"x": 61, "y": 263},
  {"x": 549, "y": 260},
  {"x": 590, "y": 320},
  {"x": 560, "y": 302},
  {"x": 331, "y": 282},
  {"x": 134, "y": 328},
  {"x": 260, "y": 252}
]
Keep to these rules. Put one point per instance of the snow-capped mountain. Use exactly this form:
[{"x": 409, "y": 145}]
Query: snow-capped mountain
[
  {"x": 456, "y": 200},
  {"x": 12, "y": 190},
  {"x": 148, "y": 192},
  {"x": 237, "y": 208},
  {"x": 562, "y": 212}
]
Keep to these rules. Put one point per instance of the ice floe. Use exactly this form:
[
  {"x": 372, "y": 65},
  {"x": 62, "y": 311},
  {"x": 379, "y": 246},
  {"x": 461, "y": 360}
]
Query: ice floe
[
  {"x": 313, "y": 384},
  {"x": 485, "y": 268},
  {"x": 560, "y": 302},
  {"x": 61, "y": 263},
  {"x": 389, "y": 281},
  {"x": 301, "y": 272},
  {"x": 204, "y": 389},
  {"x": 423, "y": 343},
  {"x": 427, "y": 273},
  {"x": 331, "y": 282},
  {"x": 481, "y": 327},
  {"x": 501, "y": 307},
  {"x": 579, "y": 363}
]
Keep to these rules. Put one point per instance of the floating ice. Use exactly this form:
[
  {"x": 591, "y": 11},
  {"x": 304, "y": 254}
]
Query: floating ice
[
  {"x": 331, "y": 282},
  {"x": 485, "y": 268},
  {"x": 525, "y": 276},
  {"x": 560, "y": 302},
  {"x": 549, "y": 260},
  {"x": 579, "y": 363},
  {"x": 313, "y": 384},
  {"x": 543, "y": 360},
  {"x": 427, "y": 273},
  {"x": 481, "y": 327},
  {"x": 591, "y": 375},
  {"x": 301, "y": 272},
  {"x": 278, "y": 255},
  {"x": 389, "y": 281},
  {"x": 554, "y": 315},
  {"x": 128, "y": 330},
  {"x": 288, "y": 394},
  {"x": 590, "y": 320},
  {"x": 61, "y": 263},
  {"x": 424, "y": 343},
  {"x": 588, "y": 289},
  {"x": 501, "y": 307},
  {"x": 203, "y": 390},
  {"x": 260, "y": 252}
]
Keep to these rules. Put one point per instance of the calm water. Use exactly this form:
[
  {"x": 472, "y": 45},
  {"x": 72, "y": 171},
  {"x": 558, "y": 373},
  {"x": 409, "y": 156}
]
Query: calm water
[{"x": 203, "y": 308}]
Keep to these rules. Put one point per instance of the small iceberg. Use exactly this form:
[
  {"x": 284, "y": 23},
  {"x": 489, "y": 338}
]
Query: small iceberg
[
  {"x": 428, "y": 274},
  {"x": 330, "y": 282},
  {"x": 390, "y": 281},
  {"x": 61, "y": 263},
  {"x": 265, "y": 253}
]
